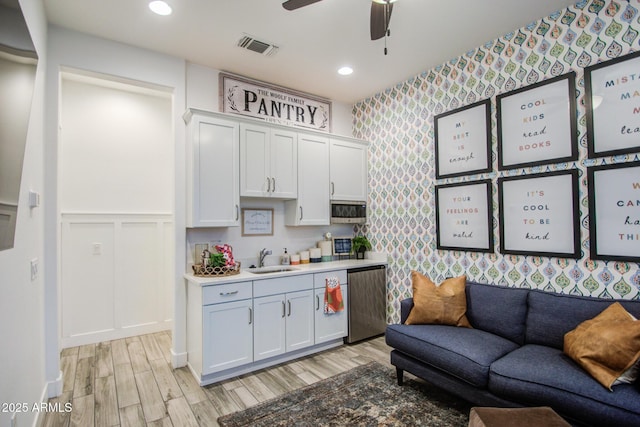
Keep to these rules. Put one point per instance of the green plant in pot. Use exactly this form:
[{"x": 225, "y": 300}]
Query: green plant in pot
[{"x": 359, "y": 245}]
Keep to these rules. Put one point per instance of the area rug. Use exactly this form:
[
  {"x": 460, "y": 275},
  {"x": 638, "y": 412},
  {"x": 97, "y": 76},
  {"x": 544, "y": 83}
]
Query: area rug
[{"x": 364, "y": 396}]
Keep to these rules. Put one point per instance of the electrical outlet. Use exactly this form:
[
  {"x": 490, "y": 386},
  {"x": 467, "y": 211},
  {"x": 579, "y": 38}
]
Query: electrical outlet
[
  {"x": 97, "y": 248},
  {"x": 34, "y": 269}
]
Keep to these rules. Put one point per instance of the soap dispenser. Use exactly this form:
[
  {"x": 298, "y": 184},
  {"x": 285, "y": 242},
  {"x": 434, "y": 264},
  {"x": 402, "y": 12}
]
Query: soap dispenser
[{"x": 285, "y": 259}]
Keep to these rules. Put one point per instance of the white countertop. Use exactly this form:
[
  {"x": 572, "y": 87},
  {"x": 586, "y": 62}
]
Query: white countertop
[{"x": 316, "y": 267}]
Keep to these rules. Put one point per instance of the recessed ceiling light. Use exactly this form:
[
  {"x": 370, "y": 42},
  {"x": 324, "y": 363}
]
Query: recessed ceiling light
[
  {"x": 160, "y": 7},
  {"x": 345, "y": 71}
]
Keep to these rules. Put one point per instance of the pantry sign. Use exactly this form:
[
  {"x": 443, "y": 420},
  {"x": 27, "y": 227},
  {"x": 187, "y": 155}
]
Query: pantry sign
[{"x": 273, "y": 104}]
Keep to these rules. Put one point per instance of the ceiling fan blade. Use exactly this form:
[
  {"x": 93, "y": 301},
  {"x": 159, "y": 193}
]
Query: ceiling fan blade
[
  {"x": 296, "y": 4},
  {"x": 380, "y": 19}
]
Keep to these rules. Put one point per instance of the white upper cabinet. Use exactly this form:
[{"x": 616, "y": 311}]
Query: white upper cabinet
[
  {"x": 312, "y": 205},
  {"x": 348, "y": 169},
  {"x": 213, "y": 190},
  {"x": 268, "y": 162}
]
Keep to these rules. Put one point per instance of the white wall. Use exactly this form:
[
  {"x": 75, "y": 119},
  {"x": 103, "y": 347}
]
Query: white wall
[
  {"x": 116, "y": 148},
  {"x": 22, "y": 373}
]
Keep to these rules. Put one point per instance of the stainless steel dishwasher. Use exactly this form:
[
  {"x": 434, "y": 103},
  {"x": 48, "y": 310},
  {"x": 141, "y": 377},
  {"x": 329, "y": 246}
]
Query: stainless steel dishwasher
[{"x": 367, "y": 308}]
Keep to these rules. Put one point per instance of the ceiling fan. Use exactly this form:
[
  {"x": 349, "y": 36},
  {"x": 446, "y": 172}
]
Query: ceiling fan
[{"x": 380, "y": 15}]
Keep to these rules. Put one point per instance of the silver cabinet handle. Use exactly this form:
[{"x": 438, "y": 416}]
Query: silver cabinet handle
[
  {"x": 274, "y": 184},
  {"x": 289, "y": 304},
  {"x": 268, "y": 185},
  {"x": 237, "y": 213},
  {"x": 301, "y": 213},
  {"x": 317, "y": 302},
  {"x": 333, "y": 188},
  {"x": 250, "y": 316},
  {"x": 225, "y": 294},
  {"x": 283, "y": 309}
]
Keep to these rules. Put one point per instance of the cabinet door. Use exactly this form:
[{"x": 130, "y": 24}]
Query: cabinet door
[
  {"x": 255, "y": 179},
  {"x": 284, "y": 164},
  {"x": 227, "y": 336},
  {"x": 312, "y": 205},
  {"x": 299, "y": 320},
  {"x": 214, "y": 196},
  {"x": 269, "y": 327},
  {"x": 348, "y": 168},
  {"x": 330, "y": 326}
]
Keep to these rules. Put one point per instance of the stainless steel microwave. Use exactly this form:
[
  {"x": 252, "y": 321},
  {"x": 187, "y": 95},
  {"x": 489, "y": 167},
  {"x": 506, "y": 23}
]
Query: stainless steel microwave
[{"x": 343, "y": 212}]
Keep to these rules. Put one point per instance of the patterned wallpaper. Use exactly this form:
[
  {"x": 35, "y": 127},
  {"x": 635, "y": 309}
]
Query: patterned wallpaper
[{"x": 399, "y": 125}]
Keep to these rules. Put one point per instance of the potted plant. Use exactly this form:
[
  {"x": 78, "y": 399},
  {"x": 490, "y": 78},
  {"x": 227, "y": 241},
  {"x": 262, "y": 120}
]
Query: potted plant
[{"x": 359, "y": 245}]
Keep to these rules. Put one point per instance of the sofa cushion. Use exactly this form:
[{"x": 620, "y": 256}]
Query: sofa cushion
[
  {"x": 444, "y": 304},
  {"x": 605, "y": 346},
  {"x": 552, "y": 315},
  {"x": 462, "y": 352},
  {"x": 496, "y": 309},
  {"x": 537, "y": 375}
]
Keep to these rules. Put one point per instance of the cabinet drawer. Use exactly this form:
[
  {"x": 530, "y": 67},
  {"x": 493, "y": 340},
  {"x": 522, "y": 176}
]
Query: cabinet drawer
[
  {"x": 320, "y": 279},
  {"x": 282, "y": 285},
  {"x": 225, "y": 293}
]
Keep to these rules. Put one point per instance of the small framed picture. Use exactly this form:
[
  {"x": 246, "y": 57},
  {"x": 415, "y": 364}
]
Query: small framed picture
[
  {"x": 613, "y": 114},
  {"x": 539, "y": 214},
  {"x": 257, "y": 222},
  {"x": 614, "y": 211},
  {"x": 537, "y": 124},
  {"x": 463, "y": 216},
  {"x": 463, "y": 141}
]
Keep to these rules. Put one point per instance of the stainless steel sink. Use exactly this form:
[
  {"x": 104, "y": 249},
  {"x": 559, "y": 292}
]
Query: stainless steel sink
[{"x": 271, "y": 269}]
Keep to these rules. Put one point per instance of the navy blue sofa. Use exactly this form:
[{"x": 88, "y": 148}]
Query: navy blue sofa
[{"x": 513, "y": 355}]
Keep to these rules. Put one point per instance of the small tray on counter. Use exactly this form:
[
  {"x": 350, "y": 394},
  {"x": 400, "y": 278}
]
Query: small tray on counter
[{"x": 202, "y": 271}]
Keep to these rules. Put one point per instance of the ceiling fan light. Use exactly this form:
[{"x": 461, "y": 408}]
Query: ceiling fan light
[
  {"x": 345, "y": 71},
  {"x": 160, "y": 7}
]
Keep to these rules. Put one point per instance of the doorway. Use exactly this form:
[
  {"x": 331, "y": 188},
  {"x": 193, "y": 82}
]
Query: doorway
[{"x": 116, "y": 214}]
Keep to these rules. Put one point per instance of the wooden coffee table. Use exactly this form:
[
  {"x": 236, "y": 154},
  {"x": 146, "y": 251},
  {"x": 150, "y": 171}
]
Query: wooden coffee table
[{"x": 515, "y": 417}]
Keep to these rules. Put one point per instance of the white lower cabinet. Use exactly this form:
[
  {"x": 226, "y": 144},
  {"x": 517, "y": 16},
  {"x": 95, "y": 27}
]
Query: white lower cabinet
[
  {"x": 283, "y": 322},
  {"x": 332, "y": 326},
  {"x": 233, "y": 328},
  {"x": 226, "y": 347},
  {"x": 269, "y": 333},
  {"x": 299, "y": 320}
]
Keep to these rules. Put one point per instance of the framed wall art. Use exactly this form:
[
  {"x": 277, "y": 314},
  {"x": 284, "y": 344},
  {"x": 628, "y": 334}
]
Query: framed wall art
[
  {"x": 257, "y": 222},
  {"x": 614, "y": 211},
  {"x": 539, "y": 214},
  {"x": 463, "y": 140},
  {"x": 463, "y": 216},
  {"x": 537, "y": 124},
  {"x": 611, "y": 100}
]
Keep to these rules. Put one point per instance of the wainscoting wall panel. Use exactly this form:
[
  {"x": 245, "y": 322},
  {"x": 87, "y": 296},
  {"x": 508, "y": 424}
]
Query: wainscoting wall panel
[{"x": 114, "y": 275}]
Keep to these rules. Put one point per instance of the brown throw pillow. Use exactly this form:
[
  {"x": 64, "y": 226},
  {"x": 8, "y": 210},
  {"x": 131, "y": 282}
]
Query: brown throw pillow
[
  {"x": 441, "y": 305},
  {"x": 606, "y": 345}
]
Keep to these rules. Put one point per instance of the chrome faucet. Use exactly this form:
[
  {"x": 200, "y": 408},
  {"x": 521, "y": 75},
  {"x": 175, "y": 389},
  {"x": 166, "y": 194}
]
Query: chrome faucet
[{"x": 263, "y": 253}]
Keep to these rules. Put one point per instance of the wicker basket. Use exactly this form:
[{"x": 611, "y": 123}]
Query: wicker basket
[{"x": 200, "y": 270}]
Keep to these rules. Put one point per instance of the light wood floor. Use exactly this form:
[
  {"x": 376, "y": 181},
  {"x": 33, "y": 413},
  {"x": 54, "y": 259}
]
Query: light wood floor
[{"x": 130, "y": 382}]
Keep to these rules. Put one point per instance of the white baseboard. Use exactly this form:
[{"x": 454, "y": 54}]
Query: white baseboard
[
  {"x": 54, "y": 388},
  {"x": 50, "y": 389},
  {"x": 178, "y": 360},
  {"x": 114, "y": 334}
]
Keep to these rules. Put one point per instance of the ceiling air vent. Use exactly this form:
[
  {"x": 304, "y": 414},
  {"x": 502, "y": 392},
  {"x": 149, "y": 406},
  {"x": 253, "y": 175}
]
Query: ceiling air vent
[{"x": 251, "y": 43}]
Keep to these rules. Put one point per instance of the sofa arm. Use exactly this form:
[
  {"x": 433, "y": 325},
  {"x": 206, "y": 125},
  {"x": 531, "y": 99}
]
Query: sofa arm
[{"x": 405, "y": 308}]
